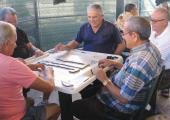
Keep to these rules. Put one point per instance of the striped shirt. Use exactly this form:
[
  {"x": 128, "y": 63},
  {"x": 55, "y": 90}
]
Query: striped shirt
[{"x": 143, "y": 64}]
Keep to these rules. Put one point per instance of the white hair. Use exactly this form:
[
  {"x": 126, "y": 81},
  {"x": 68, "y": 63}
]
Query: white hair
[
  {"x": 96, "y": 7},
  {"x": 7, "y": 30}
]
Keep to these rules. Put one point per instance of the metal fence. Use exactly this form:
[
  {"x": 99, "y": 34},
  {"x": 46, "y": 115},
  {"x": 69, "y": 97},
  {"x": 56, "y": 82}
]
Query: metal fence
[{"x": 47, "y": 23}]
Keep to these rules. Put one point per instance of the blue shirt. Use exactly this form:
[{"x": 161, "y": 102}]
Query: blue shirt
[
  {"x": 105, "y": 40},
  {"x": 140, "y": 67}
]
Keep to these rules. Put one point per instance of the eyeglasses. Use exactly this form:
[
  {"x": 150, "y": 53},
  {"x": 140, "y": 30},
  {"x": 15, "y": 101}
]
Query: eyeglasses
[{"x": 157, "y": 20}]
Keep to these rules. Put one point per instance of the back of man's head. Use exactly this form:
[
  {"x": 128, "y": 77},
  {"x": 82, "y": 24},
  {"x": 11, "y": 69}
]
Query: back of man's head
[
  {"x": 96, "y": 7},
  {"x": 5, "y": 11},
  {"x": 7, "y": 30},
  {"x": 141, "y": 26},
  {"x": 129, "y": 7}
]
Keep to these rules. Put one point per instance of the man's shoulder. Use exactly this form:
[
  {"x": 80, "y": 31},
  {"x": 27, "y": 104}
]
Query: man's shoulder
[
  {"x": 108, "y": 24},
  {"x": 85, "y": 25},
  {"x": 19, "y": 30}
]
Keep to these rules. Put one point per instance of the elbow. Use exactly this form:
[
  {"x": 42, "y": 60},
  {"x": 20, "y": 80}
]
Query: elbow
[{"x": 50, "y": 88}]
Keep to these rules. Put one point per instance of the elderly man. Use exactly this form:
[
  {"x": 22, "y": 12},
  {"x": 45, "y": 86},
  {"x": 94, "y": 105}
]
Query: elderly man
[
  {"x": 160, "y": 37},
  {"x": 97, "y": 35},
  {"x": 124, "y": 92},
  {"x": 24, "y": 47},
  {"x": 14, "y": 76}
]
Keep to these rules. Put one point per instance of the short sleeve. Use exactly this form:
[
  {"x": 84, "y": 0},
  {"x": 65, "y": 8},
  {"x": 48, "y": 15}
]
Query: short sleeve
[{"x": 20, "y": 74}]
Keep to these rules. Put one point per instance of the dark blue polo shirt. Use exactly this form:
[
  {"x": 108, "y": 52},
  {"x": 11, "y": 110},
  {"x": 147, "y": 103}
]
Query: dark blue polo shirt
[{"x": 104, "y": 40}]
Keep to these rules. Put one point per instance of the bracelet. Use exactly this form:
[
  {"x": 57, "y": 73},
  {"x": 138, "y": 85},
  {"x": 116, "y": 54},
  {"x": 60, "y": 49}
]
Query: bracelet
[{"x": 106, "y": 82}]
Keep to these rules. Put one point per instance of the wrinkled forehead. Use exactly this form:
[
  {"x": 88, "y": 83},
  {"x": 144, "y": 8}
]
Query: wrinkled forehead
[
  {"x": 157, "y": 15},
  {"x": 94, "y": 11}
]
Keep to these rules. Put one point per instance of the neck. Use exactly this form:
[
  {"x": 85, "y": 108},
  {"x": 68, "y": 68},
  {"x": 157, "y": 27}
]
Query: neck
[{"x": 96, "y": 28}]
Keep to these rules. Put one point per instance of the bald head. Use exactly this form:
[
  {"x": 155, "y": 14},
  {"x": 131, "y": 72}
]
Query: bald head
[{"x": 7, "y": 38}]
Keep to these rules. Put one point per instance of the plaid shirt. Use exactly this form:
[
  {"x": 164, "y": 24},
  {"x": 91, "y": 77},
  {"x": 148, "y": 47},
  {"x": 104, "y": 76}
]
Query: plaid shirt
[{"x": 143, "y": 64}]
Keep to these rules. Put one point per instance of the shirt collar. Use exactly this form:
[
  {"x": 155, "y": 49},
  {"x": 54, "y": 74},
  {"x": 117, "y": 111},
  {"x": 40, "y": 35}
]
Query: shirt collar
[
  {"x": 139, "y": 48},
  {"x": 163, "y": 33},
  {"x": 101, "y": 27}
]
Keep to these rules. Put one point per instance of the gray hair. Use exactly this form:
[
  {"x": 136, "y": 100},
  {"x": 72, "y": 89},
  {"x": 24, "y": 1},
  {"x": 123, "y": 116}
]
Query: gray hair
[
  {"x": 139, "y": 25},
  {"x": 96, "y": 7},
  {"x": 7, "y": 30},
  {"x": 5, "y": 11},
  {"x": 164, "y": 12}
]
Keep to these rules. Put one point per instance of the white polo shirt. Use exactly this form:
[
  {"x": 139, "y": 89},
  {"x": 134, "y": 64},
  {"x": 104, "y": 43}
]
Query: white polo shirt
[{"x": 163, "y": 43}]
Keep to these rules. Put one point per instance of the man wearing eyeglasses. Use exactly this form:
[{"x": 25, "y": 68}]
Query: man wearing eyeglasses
[
  {"x": 124, "y": 92},
  {"x": 160, "y": 36}
]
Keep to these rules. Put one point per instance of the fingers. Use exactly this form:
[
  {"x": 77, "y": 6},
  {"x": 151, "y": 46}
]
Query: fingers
[
  {"x": 36, "y": 67},
  {"x": 104, "y": 63},
  {"x": 101, "y": 75},
  {"x": 39, "y": 53},
  {"x": 60, "y": 47}
]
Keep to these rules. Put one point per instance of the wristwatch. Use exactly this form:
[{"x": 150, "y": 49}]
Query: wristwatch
[{"x": 106, "y": 82}]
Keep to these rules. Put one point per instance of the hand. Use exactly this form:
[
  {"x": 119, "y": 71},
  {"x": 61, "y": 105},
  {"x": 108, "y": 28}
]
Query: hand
[
  {"x": 36, "y": 67},
  {"x": 38, "y": 53},
  {"x": 60, "y": 47},
  {"x": 105, "y": 63},
  {"x": 101, "y": 75},
  {"x": 50, "y": 74}
]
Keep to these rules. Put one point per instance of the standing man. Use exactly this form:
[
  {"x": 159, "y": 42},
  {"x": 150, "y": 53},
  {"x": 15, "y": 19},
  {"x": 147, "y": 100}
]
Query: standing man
[
  {"x": 97, "y": 35},
  {"x": 160, "y": 37},
  {"x": 24, "y": 47},
  {"x": 124, "y": 92}
]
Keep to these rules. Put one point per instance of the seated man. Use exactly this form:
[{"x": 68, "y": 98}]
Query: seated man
[
  {"x": 160, "y": 36},
  {"x": 14, "y": 76},
  {"x": 24, "y": 47},
  {"x": 124, "y": 92},
  {"x": 97, "y": 35}
]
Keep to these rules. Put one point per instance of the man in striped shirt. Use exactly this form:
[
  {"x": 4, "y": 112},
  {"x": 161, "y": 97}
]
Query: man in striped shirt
[{"x": 124, "y": 92}]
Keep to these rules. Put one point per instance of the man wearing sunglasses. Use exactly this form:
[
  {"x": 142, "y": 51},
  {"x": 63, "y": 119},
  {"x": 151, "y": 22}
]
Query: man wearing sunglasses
[{"x": 160, "y": 36}]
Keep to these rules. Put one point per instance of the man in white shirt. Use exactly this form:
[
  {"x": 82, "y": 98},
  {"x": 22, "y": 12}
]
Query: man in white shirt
[{"x": 160, "y": 36}]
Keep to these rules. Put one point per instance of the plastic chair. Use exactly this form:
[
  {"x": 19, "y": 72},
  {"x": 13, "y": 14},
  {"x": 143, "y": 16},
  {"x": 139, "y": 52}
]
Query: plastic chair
[{"x": 150, "y": 99}]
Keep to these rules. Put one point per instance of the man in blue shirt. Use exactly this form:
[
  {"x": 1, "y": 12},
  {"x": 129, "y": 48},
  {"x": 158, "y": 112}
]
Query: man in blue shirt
[
  {"x": 97, "y": 35},
  {"x": 124, "y": 92}
]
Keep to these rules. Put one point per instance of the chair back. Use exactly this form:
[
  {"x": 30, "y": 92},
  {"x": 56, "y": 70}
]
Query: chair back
[{"x": 150, "y": 98}]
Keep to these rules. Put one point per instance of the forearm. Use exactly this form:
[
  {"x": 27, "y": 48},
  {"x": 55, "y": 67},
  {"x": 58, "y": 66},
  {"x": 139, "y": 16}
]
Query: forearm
[
  {"x": 120, "y": 48},
  {"x": 72, "y": 45},
  {"x": 116, "y": 64},
  {"x": 115, "y": 91},
  {"x": 32, "y": 47}
]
